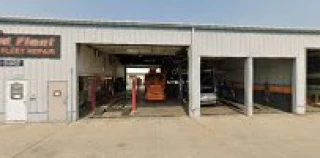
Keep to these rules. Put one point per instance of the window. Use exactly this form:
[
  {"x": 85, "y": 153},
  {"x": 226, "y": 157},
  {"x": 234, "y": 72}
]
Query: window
[{"x": 17, "y": 91}]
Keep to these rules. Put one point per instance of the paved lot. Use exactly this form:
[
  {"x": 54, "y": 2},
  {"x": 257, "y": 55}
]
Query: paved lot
[{"x": 234, "y": 136}]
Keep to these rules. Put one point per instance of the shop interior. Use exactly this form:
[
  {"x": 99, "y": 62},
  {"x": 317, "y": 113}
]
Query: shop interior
[
  {"x": 313, "y": 80},
  {"x": 222, "y": 86},
  {"x": 132, "y": 80}
]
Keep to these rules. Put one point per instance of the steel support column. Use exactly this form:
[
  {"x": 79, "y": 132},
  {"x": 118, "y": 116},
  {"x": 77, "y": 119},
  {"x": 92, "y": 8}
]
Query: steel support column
[
  {"x": 194, "y": 80},
  {"x": 299, "y": 85},
  {"x": 248, "y": 86}
]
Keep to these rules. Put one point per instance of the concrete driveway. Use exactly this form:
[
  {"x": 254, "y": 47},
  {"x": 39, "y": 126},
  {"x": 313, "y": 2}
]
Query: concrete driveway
[{"x": 234, "y": 136}]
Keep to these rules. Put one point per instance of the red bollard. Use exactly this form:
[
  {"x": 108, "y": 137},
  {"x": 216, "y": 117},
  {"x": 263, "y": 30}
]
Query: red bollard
[{"x": 134, "y": 95}]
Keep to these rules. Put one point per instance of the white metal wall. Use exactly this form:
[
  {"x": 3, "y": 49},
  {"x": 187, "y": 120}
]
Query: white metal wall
[
  {"x": 90, "y": 64},
  {"x": 209, "y": 43},
  {"x": 40, "y": 71},
  {"x": 245, "y": 44},
  {"x": 239, "y": 44}
]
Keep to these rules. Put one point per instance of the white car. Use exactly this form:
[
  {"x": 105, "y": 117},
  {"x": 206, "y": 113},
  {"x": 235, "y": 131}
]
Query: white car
[{"x": 208, "y": 96}]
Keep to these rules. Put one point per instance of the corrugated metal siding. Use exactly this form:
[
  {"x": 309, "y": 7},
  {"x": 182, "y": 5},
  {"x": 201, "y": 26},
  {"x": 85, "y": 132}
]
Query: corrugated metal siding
[
  {"x": 211, "y": 43},
  {"x": 239, "y": 44},
  {"x": 89, "y": 64},
  {"x": 260, "y": 44},
  {"x": 133, "y": 36},
  {"x": 40, "y": 71}
]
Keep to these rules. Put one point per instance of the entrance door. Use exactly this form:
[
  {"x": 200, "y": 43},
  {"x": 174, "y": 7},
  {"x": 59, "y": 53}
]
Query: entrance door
[
  {"x": 57, "y": 101},
  {"x": 16, "y": 109}
]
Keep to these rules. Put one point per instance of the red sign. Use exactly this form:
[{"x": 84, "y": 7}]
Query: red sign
[{"x": 38, "y": 46}]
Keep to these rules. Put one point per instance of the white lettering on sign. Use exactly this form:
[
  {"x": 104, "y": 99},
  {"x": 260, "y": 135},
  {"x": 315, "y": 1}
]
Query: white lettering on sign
[
  {"x": 5, "y": 41},
  {"x": 34, "y": 42}
]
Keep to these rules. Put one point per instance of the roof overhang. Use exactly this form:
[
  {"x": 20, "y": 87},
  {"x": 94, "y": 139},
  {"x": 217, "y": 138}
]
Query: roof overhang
[{"x": 167, "y": 25}]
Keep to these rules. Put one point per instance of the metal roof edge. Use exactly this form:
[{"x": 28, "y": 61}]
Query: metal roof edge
[
  {"x": 177, "y": 25},
  {"x": 87, "y": 22}
]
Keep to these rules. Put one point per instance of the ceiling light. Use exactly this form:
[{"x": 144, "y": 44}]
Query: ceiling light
[{"x": 132, "y": 50}]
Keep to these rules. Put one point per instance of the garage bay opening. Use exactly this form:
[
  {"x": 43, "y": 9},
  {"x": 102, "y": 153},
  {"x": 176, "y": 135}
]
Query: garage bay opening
[
  {"x": 111, "y": 76},
  {"x": 272, "y": 85},
  {"x": 222, "y": 86},
  {"x": 313, "y": 80}
]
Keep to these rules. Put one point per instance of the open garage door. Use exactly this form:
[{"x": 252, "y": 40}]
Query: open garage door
[
  {"x": 106, "y": 74},
  {"x": 222, "y": 86},
  {"x": 313, "y": 80},
  {"x": 272, "y": 85}
]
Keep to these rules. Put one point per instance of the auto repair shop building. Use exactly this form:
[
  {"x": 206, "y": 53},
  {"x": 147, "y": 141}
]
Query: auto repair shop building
[{"x": 41, "y": 61}]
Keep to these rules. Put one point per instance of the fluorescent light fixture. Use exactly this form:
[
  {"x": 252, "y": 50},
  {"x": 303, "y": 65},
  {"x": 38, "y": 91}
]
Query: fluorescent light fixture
[{"x": 136, "y": 51}]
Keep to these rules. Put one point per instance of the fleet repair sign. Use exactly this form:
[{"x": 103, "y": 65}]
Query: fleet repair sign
[{"x": 30, "y": 46}]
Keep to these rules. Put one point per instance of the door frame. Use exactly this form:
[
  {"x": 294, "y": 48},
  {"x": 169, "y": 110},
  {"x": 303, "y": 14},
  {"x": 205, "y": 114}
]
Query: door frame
[{"x": 48, "y": 102}]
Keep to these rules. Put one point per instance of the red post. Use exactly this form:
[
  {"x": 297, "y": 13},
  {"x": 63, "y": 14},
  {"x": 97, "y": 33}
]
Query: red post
[
  {"x": 134, "y": 95},
  {"x": 93, "y": 94}
]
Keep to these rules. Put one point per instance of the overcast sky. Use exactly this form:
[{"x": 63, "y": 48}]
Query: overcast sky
[{"x": 297, "y": 13}]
